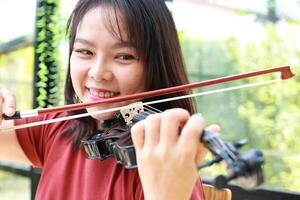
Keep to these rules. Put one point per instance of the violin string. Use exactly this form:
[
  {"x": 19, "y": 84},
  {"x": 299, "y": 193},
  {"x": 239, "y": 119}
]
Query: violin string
[
  {"x": 224, "y": 147},
  {"x": 149, "y": 111},
  {"x": 145, "y": 113},
  {"x": 146, "y": 103},
  {"x": 221, "y": 146},
  {"x": 153, "y": 108},
  {"x": 216, "y": 142}
]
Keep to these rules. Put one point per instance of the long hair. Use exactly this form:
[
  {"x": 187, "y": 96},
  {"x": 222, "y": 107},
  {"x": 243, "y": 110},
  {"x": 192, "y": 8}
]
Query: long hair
[{"x": 151, "y": 30}]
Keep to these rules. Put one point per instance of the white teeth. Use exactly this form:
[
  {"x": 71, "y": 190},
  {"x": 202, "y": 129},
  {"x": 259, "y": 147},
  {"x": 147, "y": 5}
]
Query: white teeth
[
  {"x": 107, "y": 95},
  {"x": 102, "y": 94}
]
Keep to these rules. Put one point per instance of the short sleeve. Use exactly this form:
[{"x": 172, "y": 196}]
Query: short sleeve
[
  {"x": 198, "y": 192},
  {"x": 33, "y": 140}
]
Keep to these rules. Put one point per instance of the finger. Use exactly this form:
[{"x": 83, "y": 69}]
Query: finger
[
  {"x": 171, "y": 121},
  {"x": 214, "y": 128},
  {"x": 191, "y": 133},
  {"x": 201, "y": 153},
  {"x": 152, "y": 130},
  {"x": 138, "y": 135},
  {"x": 9, "y": 102},
  {"x": 202, "y": 150},
  {"x": 1, "y": 108}
]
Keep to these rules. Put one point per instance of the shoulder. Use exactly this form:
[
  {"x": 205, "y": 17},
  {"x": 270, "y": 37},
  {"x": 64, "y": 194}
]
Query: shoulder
[{"x": 56, "y": 122}]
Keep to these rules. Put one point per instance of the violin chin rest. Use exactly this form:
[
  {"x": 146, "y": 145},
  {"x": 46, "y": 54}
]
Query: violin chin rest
[
  {"x": 250, "y": 181},
  {"x": 220, "y": 182}
]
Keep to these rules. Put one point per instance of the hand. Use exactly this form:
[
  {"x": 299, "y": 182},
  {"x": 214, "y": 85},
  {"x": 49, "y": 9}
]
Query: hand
[
  {"x": 166, "y": 160},
  {"x": 7, "y": 103}
]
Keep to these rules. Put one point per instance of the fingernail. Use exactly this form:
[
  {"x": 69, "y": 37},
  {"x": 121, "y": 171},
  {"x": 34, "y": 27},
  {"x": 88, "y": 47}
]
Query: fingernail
[
  {"x": 10, "y": 111},
  {"x": 199, "y": 114}
]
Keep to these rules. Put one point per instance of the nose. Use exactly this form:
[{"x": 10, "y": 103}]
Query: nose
[{"x": 100, "y": 71}]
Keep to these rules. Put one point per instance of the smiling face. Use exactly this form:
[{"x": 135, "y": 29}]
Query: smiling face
[{"x": 103, "y": 66}]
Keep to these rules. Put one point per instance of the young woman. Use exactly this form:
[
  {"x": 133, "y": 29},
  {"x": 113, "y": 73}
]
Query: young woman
[{"x": 117, "y": 47}]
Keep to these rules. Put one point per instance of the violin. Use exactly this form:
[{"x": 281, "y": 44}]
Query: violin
[{"x": 115, "y": 141}]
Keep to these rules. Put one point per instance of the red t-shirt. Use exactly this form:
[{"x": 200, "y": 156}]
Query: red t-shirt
[{"x": 68, "y": 174}]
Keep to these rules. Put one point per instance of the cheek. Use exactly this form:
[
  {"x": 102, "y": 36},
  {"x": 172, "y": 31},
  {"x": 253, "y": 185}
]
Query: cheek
[
  {"x": 77, "y": 74},
  {"x": 77, "y": 69},
  {"x": 72, "y": 67},
  {"x": 134, "y": 82}
]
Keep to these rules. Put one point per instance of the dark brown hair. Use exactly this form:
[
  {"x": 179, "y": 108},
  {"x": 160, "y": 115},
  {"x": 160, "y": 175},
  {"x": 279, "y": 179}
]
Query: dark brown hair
[{"x": 151, "y": 30}]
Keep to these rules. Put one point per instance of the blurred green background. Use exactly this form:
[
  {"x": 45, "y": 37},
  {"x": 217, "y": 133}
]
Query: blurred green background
[{"x": 218, "y": 38}]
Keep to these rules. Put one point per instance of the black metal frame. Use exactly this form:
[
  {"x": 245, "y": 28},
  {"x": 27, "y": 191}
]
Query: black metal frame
[
  {"x": 25, "y": 171},
  {"x": 18, "y": 43},
  {"x": 260, "y": 193},
  {"x": 237, "y": 192}
]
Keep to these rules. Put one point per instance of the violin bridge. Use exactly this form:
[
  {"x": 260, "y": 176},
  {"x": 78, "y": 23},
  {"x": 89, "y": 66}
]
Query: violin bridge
[{"x": 131, "y": 111}]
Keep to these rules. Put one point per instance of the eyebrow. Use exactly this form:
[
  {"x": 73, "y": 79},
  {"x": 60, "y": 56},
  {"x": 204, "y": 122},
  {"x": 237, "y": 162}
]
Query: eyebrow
[
  {"x": 83, "y": 41},
  {"x": 117, "y": 45},
  {"x": 122, "y": 44}
]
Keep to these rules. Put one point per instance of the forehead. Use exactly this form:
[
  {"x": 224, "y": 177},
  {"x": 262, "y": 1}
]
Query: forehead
[{"x": 104, "y": 19}]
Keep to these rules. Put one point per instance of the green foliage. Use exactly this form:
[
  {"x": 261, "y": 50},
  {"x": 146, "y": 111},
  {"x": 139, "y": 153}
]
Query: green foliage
[
  {"x": 268, "y": 116},
  {"x": 273, "y": 111},
  {"x": 47, "y": 53},
  {"x": 212, "y": 59}
]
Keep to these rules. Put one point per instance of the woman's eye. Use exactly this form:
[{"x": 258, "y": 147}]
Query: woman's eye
[
  {"x": 126, "y": 57},
  {"x": 83, "y": 51}
]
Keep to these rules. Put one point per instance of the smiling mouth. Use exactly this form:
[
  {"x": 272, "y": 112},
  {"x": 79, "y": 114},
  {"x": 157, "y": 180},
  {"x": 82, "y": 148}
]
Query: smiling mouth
[{"x": 102, "y": 94}]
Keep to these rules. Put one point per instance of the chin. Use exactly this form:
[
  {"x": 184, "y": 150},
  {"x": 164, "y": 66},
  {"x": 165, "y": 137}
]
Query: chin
[{"x": 102, "y": 116}]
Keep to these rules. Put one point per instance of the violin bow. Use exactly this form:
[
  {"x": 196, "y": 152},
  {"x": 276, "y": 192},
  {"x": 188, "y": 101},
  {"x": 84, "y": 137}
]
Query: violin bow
[{"x": 285, "y": 73}]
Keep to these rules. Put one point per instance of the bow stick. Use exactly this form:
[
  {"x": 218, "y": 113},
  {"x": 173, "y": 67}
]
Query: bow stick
[{"x": 285, "y": 73}]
